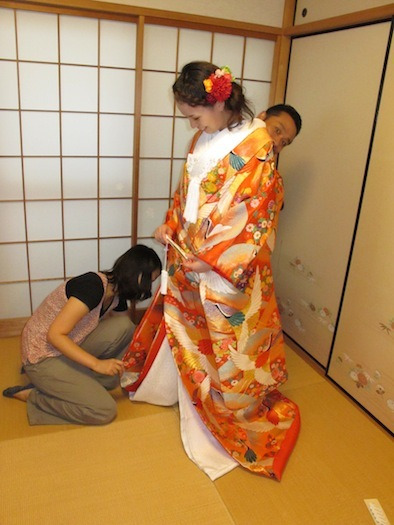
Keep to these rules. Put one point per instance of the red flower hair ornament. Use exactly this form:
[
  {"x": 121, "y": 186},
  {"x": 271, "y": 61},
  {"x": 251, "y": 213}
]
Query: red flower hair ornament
[{"x": 218, "y": 85}]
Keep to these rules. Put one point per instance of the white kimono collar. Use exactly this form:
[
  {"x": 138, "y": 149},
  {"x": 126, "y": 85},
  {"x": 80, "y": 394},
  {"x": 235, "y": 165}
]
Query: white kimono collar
[{"x": 209, "y": 149}]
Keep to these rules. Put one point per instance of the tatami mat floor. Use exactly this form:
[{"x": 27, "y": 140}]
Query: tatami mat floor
[{"x": 135, "y": 472}]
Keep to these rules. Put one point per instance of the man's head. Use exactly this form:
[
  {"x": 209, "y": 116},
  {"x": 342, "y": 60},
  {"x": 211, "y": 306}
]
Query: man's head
[{"x": 283, "y": 124}]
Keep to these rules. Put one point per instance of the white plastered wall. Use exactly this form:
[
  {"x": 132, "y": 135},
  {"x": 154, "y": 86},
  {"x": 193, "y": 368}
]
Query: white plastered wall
[
  {"x": 265, "y": 12},
  {"x": 320, "y": 9}
]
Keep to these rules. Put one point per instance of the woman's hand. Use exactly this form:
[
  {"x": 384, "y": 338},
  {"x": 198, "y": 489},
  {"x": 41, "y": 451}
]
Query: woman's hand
[
  {"x": 109, "y": 367},
  {"x": 195, "y": 264},
  {"x": 161, "y": 232}
]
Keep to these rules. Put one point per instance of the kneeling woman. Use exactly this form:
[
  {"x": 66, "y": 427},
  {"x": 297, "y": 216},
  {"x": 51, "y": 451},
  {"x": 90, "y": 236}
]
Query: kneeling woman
[{"x": 73, "y": 344}]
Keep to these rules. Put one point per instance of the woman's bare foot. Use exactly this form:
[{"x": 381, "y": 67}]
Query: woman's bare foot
[{"x": 23, "y": 394}]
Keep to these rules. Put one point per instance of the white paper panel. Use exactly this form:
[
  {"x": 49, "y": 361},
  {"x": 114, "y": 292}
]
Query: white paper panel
[
  {"x": 191, "y": 40},
  {"x": 10, "y": 143},
  {"x": 116, "y": 135},
  {"x": 79, "y": 134},
  {"x": 40, "y": 290},
  {"x": 81, "y": 257},
  {"x": 79, "y": 88},
  {"x": 154, "y": 178},
  {"x": 228, "y": 51},
  {"x": 151, "y": 213},
  {"x": 9, "y": 308},
  {"x": 39, "y": 86},
  {"x": 7, "y": 34},
  {"x": 11, "y": 178},
  {"x": 117, "y": 91},
  {"x": 177, "y": 171},
  {"x": 12, "y": 224},
  {"x": 13, "y": 265},
  {"x": 80, "y": 219},
  {"x": 8, "y": 86},
  {"x": 79, "y": 178},
  {"x": 117, "y": 44},
  {"x": 111, "y": 249},
  {"x": 258, "y": 94},
  {"x": 46, "y": 260},
  {"x": 42, "y": 178},
  {"x": 159, "y": 48},
  {"x": 156, "y": 135},
  {"x": 37, "y": 36},
  {"x": 40, "y": 133},
  {"x": 78, "y": 40},
  {"x": 183, "y": 135},
  {"x": 157, "y": 97},
  {"x": 44, "y": 220},
  {"x": 116, "y": 177},
  {"x": 259, "y": 55},
  {"x": 115, "y": 217}
]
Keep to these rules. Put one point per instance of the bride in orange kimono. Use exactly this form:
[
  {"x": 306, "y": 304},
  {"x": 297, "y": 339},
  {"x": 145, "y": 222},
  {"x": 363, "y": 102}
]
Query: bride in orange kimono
[{"x": 212, "y": 340}]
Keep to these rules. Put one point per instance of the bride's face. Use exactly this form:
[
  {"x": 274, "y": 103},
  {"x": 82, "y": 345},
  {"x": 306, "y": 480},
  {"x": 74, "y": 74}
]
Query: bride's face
[{"x": 205, "y": 118}]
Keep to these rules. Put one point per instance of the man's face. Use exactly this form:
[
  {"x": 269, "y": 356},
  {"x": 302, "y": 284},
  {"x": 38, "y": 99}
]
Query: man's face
[{"x": 282, "y": 130}]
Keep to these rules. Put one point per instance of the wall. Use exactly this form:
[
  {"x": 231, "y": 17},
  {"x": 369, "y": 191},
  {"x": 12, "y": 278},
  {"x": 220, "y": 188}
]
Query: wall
[
  {"x": 320, "y": 9},
  {"x": 265, "y": 12}
]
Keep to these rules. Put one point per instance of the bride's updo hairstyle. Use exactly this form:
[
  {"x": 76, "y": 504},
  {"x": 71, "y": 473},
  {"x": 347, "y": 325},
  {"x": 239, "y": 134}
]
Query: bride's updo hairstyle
[{"x": 204, "y": 84}]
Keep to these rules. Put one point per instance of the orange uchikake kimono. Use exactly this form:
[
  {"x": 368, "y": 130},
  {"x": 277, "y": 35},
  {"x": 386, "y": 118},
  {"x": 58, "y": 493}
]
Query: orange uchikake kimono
[{"x": 223, "y": 326}]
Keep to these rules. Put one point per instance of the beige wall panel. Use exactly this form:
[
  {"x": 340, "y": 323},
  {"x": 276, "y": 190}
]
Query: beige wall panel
[
  {"x": 363, "y": 356},
  {"x": 265, "y": 12},
  {"x": 333, "y": 81},
  {"x": 320, "y": 9}
]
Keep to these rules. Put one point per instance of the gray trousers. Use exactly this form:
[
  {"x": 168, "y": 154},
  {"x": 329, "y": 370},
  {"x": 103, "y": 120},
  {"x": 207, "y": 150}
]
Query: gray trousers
[{"x": 67, "y": 392}]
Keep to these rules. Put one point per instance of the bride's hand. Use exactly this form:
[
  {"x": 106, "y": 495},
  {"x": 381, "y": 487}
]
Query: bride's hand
[
  {"x": 196, "y": 265},
  {"x": 161, "y": 232}
]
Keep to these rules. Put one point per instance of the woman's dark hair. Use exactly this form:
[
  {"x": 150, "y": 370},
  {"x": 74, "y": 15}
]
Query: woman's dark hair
[
  {"x": 285, "y": 108},
  {"x": 131, "y": 275},
  {"x": 189, "y": 88}
]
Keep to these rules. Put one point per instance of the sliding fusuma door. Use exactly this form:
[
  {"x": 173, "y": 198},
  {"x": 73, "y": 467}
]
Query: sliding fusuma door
[{"x": 334, "y": 81}]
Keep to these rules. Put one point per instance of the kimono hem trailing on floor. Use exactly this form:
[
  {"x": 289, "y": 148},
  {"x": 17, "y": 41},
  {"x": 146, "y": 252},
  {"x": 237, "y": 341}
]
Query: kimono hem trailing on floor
[{"x": 222, "y": 326}]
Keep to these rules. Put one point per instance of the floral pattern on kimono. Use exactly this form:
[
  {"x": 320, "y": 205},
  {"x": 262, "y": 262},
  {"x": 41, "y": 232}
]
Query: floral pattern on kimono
[{"x": 223, "y": 326}]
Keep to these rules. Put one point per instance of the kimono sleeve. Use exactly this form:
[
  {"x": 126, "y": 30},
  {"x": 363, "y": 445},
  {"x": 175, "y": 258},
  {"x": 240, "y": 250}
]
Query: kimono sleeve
[{"x": 172, "y": 217}]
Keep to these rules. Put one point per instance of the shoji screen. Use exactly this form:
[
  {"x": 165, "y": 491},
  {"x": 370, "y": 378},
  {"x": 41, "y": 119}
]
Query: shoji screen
[
  {"x": 67, "y": 95},
  {"x": 334, "y": 81},
  {"x": 363, "y": 358},
  {"x": 165, "y": 134},
  {"x": 66, "y": 147}
]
